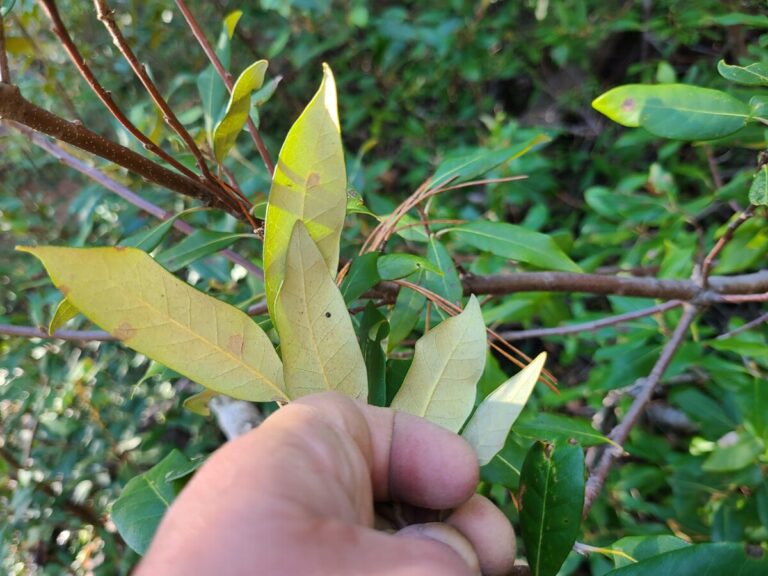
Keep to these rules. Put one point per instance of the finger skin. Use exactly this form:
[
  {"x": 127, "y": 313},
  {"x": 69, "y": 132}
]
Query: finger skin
[{"x": 295, "y": 496}]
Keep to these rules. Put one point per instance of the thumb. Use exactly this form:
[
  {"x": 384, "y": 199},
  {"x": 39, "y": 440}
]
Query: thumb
[{"x": 446, "y": 535}]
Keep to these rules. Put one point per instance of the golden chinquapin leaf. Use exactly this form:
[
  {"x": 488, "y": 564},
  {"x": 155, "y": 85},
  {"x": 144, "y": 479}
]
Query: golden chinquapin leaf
[
  {"x": 128, "y": 294},
  {"x": 489, "y": 426},
  {"x": 441, "y": 383},
  {"x": 309, "y": 184},
  {"x": 317, "y": 340},
  {"x": 64, "y": 313}
]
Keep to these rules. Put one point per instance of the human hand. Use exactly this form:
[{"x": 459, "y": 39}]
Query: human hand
[{"x": 295, "y": 497}]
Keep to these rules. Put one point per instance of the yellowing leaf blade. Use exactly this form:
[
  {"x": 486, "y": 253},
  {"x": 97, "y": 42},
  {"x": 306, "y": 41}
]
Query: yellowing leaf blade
[
  {"x": 317, "y": 340},
  {"x": 132, "y": 297},
  {"x": 226, "y": 131},
  {"x": 447, "y": 364},
  {"x": 489, "y": 426},
  {"x": 309, "y": 184},
  {"x": 64, "y": 313}
]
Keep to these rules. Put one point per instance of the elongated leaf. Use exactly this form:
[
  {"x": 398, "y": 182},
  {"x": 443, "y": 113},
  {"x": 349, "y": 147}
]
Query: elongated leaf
[
  {"x": 197, "y": 245},
  {"x": 148, "y": 240},
  {"x": 405, "y": 314},
  {"x": 363, "y": 275},
  {"x": 675, "y": 110},
  {"x": 238, "y": 108},
  {"x": 447, "y": 284},
  {"x": 64, "y": 313},
  {"x": 758, "y": 191},
  {"x": 699, "y": 560},
  {"x": 317, "y": 341},
  {"x": 447, "y": 363},
  {"x": 372, "y": 330},
  {"x": 145, "y": 499},
  {"x": 396, "y": 266},
  {"x": 310, "y": 184},
  {"x": 136, "y": 300},
  {"x": 552, "y": 498},
  {"x": 554, "y": 427},
  {"x": 198, "y": 403},
  {"x": 516, "y": 243},
  {"x": 753, "y": 75},
  {"x": 642, "y": 547},
  {"x": 465, "y": 165},
  {"x": 489, "y": 426}
]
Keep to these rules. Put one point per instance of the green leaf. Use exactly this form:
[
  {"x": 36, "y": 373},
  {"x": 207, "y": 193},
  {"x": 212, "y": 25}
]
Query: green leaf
[
  {"x": 753, "y": 75},
  {"x": 465, "y": 165},
  {"x": 363, "y": 275},
  {"x": 396, "y": 266},
  {"x": 489, "y": 426},
  {"x": 132, "y": 297},
  {"x": 405, "y": 314},
  {"x": 317, "y": 341},
  {"x": 515, "y": 243},
  {"x": 199, "y": 244},
  {"x": 742, "y": 453},
  {"x": 198, "y": 403},
  {"x": 699, "y": 560},
  {"x": 551, "y": 499},
  {"x": 642, "y": 547},
  {"x": 309, "y": 184},
  {"x": 447, "y": 363},
  {"x": 447, "y": 284},
  {"x": 145, "y": 499},
  {"x": 758, "y": 192},
  {"x": 64, "y": 313},
  {"x": 675, "y": 111},
  {"x": 6, "y": 8},
  {"x": 355, "y": 205},
  {"x": 371, "y": 332},
  {"x": 554, "y": 427},
  {"x": 148, "y": 240},
  {"x": 238, "y": 108}
]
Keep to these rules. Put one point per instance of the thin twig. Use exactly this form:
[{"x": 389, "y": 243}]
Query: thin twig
[
  {"x": 127, "y": 195},
  {"x": 35, "y": 332},
  {"x": 589, "y": 326},
  {"x": 5, "y": 70},
  {"x": 227, "y": 78},
  {"x": 620, "y": 433},
  {"x": 743, "y": 298},
  {"x": 706, "y": 265},
  {"x": 748, "y": 326}
]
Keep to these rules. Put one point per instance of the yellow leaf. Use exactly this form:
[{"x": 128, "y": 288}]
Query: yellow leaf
[
  {"x": 64, "y": 313},
  {"x": 136, "y": 300},
  {"x": 198, "y": 403},
  {"x": 448, "y": 361},
  {"x": 317, "y": 341},
  {"x": 489, "y": 426},
  {"x": 238, "y": 109},
  {"x": 310, "y": 184}
]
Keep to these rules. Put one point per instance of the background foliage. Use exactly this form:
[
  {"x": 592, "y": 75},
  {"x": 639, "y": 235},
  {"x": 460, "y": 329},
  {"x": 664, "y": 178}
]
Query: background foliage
[{"x": 416, "y": 84}]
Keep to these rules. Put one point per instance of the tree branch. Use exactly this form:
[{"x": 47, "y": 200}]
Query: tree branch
[
  {"x": 227, "y": 78},
  {"x": 75, "y": 335},
  {"x": 13, "y": 106},
  {"x": 621, "y": 431},
  {"x": 709, "y": 259},
  {"x": 748, "y": 326}
]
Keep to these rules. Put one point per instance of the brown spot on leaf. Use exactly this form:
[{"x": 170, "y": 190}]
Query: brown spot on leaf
[
  {"x": 313, "y": 179},
  {"x": 628, "y": 105},
  {"x": 119, "y": 248},
  {"x": 64, "y": 289},
  {"x": 124, "y": 332},
  {"x": 235, "y": 344}
]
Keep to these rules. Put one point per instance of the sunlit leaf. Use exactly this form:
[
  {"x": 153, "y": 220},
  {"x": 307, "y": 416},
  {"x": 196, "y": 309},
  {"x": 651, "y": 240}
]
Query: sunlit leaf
[
  {"x": 198, "y": 403},
  {"x": 489, "y": 426},
  {"x": 146, "y": 498},
  {"x": 551, "y": 499},
  {"x": 309, "y": 184},
  {"x": 64, "y": 313},
  {"x": 355, "y": 205},
  {"x": 642, "y": 547},
  {"x": 515, "y": 243},
  {"x": 238, "y": 108},
  {"x": 447, "y": 363},
  {"x": 396, "y": 266},
  {"x": 136, "y": 300},
  {"x": 317, "y": 341},
  {"x": 758, "y": 191},
  {"x": 675, "y": 111},
  {"x": 753, "y": 75}
]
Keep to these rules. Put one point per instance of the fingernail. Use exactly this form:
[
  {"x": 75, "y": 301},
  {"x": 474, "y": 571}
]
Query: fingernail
[{"x": 447, "y": 535}]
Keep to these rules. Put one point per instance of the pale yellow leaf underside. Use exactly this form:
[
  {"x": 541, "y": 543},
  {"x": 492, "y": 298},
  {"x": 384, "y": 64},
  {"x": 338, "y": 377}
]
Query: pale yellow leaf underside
[
  {"x": 132, "y": 297},
  {"x": 489, "y": 426},
  {"x": 447, "y": 363},
  {"x": 309, "y": 184},
  {"x": 64, "y": 313},
  {"x": 317, "y": 341}
]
